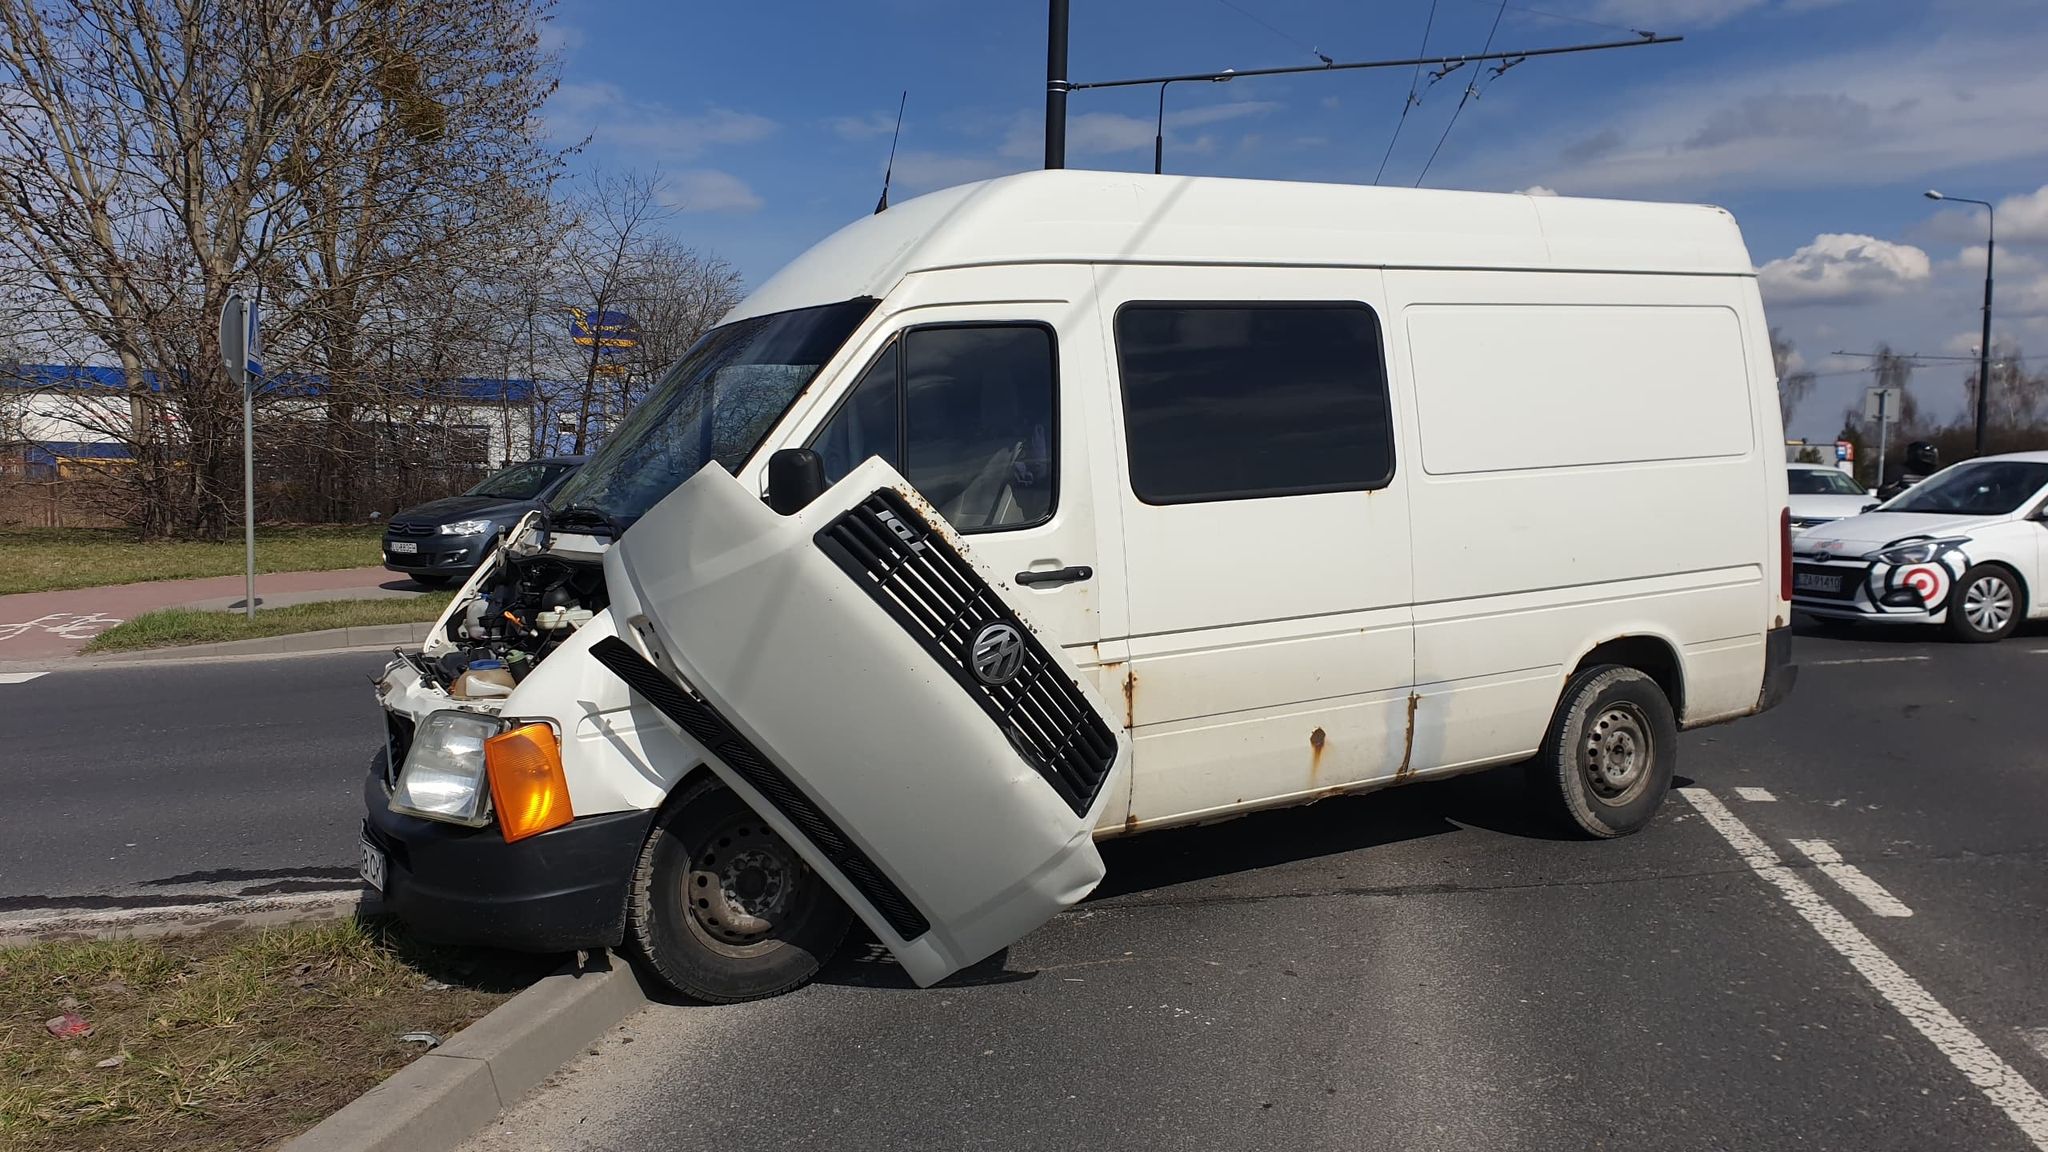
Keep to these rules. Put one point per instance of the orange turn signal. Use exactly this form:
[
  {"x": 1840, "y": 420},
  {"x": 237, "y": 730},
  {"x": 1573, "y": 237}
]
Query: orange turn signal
[{"x": 527, "y": 786}]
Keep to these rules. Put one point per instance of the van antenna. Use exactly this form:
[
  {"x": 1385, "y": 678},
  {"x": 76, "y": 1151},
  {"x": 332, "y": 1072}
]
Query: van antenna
[{"x": 883, "y": 204}]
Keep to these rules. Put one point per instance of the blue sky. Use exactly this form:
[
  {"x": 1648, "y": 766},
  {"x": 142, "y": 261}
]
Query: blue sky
[{"x": 1817, "y": 122}]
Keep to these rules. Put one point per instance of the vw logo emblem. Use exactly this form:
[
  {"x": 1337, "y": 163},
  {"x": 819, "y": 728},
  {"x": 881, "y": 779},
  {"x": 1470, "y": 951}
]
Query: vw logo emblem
[{"x": 996, "y": 654}]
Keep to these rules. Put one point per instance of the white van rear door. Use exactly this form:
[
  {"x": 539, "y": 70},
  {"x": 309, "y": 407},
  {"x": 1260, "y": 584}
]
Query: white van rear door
[{"x": 875, "y": 695}]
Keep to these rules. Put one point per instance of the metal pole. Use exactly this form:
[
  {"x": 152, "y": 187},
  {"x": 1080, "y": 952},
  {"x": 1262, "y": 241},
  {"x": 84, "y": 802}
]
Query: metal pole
[
  {"x": 1056, "y": 84},
  {"x": 1159, "y": 134},
  {"x": 248, "y": 498},
  {"x": 1984, "y": 352},
  {"x": 1883, "y": 434}
]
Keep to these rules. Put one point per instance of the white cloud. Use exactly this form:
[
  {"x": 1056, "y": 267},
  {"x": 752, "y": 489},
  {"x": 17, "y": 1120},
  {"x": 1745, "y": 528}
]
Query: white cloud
[
  {"x": 1671, "y": 15},
  {"x": 709, "y": 190},
  {"x": 1895, "y": 112},
  {"x": 1536, "y": 190},
  {"x": 604, "y": 112},
  {"x": 2022, "y": 219},
  {"x": 1102, "y": 133},
  {"x": 865, "y": 127},
  {"x": 1843, "y": 268}
]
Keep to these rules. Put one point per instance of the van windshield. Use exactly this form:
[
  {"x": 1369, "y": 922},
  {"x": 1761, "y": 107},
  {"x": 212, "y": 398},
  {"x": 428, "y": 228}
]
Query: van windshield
[{"x": 714, "y": 405}]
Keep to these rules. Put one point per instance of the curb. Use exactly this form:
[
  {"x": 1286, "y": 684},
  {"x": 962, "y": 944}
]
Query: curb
[
  {"x": 322, "y": 641},
  {"x": 185, "y": 919},
  {"x": 450, "y": 1094}
]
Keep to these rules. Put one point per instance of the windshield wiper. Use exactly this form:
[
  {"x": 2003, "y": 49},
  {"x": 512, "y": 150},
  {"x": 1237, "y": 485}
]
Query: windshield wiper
[{"x": 584, "y": 515}]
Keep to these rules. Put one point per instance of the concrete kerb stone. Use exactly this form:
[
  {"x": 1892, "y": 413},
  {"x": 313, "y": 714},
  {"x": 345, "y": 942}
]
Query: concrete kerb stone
[
  {"x": 448, "y": 1095},
  {"x": 323, "y": 641}
]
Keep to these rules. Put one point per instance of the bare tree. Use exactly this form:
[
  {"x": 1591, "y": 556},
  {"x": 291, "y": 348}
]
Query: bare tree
[{"x": 1794, "y": 385}]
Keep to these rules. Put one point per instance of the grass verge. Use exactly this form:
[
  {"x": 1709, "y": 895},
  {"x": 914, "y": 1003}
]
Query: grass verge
[
  {"x": 230, "y": 1040},
  {"x": 47, "y": 559},
  {"x": 175, "y": 626}
]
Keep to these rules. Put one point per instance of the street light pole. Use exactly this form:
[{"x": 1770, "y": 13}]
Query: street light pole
[
  {"x": 1056, "y": 84},
  {"x": 1159, "y": 126},
  {"x": 1983, "y": 349}
]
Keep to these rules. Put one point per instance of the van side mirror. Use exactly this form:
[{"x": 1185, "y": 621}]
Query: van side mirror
[{"x": 796, "y": 476}]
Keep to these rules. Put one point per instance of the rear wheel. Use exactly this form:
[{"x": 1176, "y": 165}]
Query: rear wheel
[
  {"x": 1608, "y": 757},
  {"x": 1985, "y": 605},
  {"x": 723, "y": 909}
]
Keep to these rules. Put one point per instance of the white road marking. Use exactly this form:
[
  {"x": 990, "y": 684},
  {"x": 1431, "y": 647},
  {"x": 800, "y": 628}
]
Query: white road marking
[
  {"x": 1756, "y": 795},
  {"x": 1867, "y": 660},
  {"x": 2038, "y": 1037},
  {"x": 19, "y": 677},
  {"x": 2000, "y": 1082},
  {"x": 1852, "y": 878}
]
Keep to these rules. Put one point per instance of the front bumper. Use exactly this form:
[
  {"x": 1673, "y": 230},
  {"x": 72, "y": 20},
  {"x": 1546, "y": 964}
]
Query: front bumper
[
  {"x": 1869, "y": 591},
  {"x": 437, "y": 555},
  {"x": 555, "y": 892}
]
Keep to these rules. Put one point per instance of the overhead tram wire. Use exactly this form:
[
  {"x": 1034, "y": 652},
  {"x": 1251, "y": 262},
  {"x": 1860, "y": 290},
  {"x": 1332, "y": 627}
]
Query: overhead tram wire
[
  {"x": 1413, "y": 82},
  {"x": 1268, "y": 26},
  {"x": 1471, "y": 90}
]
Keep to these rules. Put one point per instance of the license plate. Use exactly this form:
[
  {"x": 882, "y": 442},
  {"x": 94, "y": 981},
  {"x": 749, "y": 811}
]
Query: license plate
[
  {"x": 1817, "y": 582},
  {"x": 372, "y": 867},
  {"x": 404, "y": 546}
]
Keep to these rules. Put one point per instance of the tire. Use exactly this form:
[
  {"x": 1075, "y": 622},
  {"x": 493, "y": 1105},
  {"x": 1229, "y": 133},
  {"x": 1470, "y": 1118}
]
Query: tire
[
  {"x": 1986, "y": 604},
  {"x": 722, "y": 910},
  {"x": 1608, "y": 757}
]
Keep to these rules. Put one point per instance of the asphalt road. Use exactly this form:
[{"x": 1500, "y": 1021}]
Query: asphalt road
[
  {"x": 129, "y": 785},
  {"x": 1427, "y": 969}
]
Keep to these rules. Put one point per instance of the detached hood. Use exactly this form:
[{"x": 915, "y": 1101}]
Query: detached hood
[
  {"x": 450, "y": 508},
  {"x": 1872, "y": 530}
]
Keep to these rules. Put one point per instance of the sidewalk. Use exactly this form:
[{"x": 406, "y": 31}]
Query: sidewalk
[{"x": 42, "y": 625}]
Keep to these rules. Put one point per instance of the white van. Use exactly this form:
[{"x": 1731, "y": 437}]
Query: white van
[{"x": 1071, "y": 505}]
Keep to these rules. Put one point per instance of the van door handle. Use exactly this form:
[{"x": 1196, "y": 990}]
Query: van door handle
[{"x": 1065, "y": 575}]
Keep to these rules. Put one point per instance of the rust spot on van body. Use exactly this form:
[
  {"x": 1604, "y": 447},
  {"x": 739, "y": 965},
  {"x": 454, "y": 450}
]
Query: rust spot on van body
[
  {"x": 1130, "y": 699},
  {"x": 1408, "y": 741},
  {"x": 1130, "y": 823},
  {"x": 1315, "y": 755}
]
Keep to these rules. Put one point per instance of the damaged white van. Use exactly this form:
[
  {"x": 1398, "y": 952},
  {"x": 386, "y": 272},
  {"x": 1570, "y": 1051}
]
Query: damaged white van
[{"x": 1070, "y": 505}]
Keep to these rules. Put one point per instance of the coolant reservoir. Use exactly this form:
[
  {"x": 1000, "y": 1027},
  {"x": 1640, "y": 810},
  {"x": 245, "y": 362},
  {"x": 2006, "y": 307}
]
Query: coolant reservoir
[
  {"x": 553, "y": 619},
  {"x": 483, "y": 680}
]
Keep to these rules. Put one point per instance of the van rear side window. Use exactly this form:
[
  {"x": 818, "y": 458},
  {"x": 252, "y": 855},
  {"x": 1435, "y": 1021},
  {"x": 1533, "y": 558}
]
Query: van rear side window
[{"x": 1238, "y": 401}]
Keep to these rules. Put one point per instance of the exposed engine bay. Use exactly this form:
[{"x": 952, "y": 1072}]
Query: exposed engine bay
[{"x": 522, "y": 610}]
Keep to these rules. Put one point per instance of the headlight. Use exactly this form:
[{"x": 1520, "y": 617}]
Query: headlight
[
  {"x": 466, "y": 528},
  {"x": 443, "y": 777},
  {"x": 1917, "y": 551}
]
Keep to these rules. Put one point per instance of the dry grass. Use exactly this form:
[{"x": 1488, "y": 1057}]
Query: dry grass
[
  {"x": 47, "y": 559},
  {"x": 225, "y": 1041}
]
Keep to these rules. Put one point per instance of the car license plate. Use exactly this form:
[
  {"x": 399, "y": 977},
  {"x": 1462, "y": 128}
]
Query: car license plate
[
  {"x": 1817, "y": 582},
  {"x": 404, "y": 546},
  {"x": 372, "y": 867}
]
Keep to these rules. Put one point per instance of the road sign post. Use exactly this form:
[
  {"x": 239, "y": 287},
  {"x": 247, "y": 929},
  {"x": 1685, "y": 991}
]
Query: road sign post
[
  {"x": 239, "y": 329},
  {"x": 1882, "y": 405}
]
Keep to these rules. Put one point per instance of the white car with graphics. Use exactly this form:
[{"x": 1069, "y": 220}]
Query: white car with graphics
[{"x": 1967, "y": 547}]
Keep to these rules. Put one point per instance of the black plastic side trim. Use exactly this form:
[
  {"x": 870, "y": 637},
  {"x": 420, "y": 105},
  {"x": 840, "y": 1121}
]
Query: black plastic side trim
[
  {"x": 736, "y": 752},
  {"x": 1780, "y": 673}
]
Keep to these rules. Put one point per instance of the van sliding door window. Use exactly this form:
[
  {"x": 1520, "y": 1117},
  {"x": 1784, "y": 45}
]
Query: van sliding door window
[
  {"x": 966, "y": 413},
  {"x": 1238, "y": 401}
]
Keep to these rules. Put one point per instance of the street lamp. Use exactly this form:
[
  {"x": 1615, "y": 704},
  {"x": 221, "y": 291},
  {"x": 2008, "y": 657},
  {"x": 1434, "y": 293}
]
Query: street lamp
[
  {"x": 1983, "y": 350},
  {"x": 1159, "y": 126}
]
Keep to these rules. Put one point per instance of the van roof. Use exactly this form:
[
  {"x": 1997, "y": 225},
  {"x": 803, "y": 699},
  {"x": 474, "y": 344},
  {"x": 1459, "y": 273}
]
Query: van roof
[{"x": 1070, "y": 216}]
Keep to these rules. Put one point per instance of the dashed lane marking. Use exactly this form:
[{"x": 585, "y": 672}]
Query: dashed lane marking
[
  {"x": 1852, "y": 878},
  {"x": 1867, "y": 660},
  {"x": 2000, "y": 1082},
  {"x": 19, "y": 677},
  {"x": 1756, "y": 795}
]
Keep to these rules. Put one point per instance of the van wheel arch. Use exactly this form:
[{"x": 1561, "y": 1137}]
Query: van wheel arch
[{"x": 1653, "y": 656}]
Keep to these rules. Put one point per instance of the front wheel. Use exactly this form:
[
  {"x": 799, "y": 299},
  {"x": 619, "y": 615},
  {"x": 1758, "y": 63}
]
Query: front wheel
[
  {"x": 1984, "y": 605},
  {"x": 1608, "y": 757},
  {"x": 722, "y": 909}
]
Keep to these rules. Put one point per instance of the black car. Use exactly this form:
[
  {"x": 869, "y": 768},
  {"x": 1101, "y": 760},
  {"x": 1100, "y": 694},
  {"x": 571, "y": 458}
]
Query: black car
[{"x": 442, "y": 541}]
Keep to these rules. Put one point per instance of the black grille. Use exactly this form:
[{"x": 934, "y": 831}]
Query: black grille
[
  {"x": 1851, "y": 578},
  {"x": 397, "y": 741},
  {"x": 917, "y": 577},
  {"x": 410, "y": 530},
  {"x": 736, "y": 752}
]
